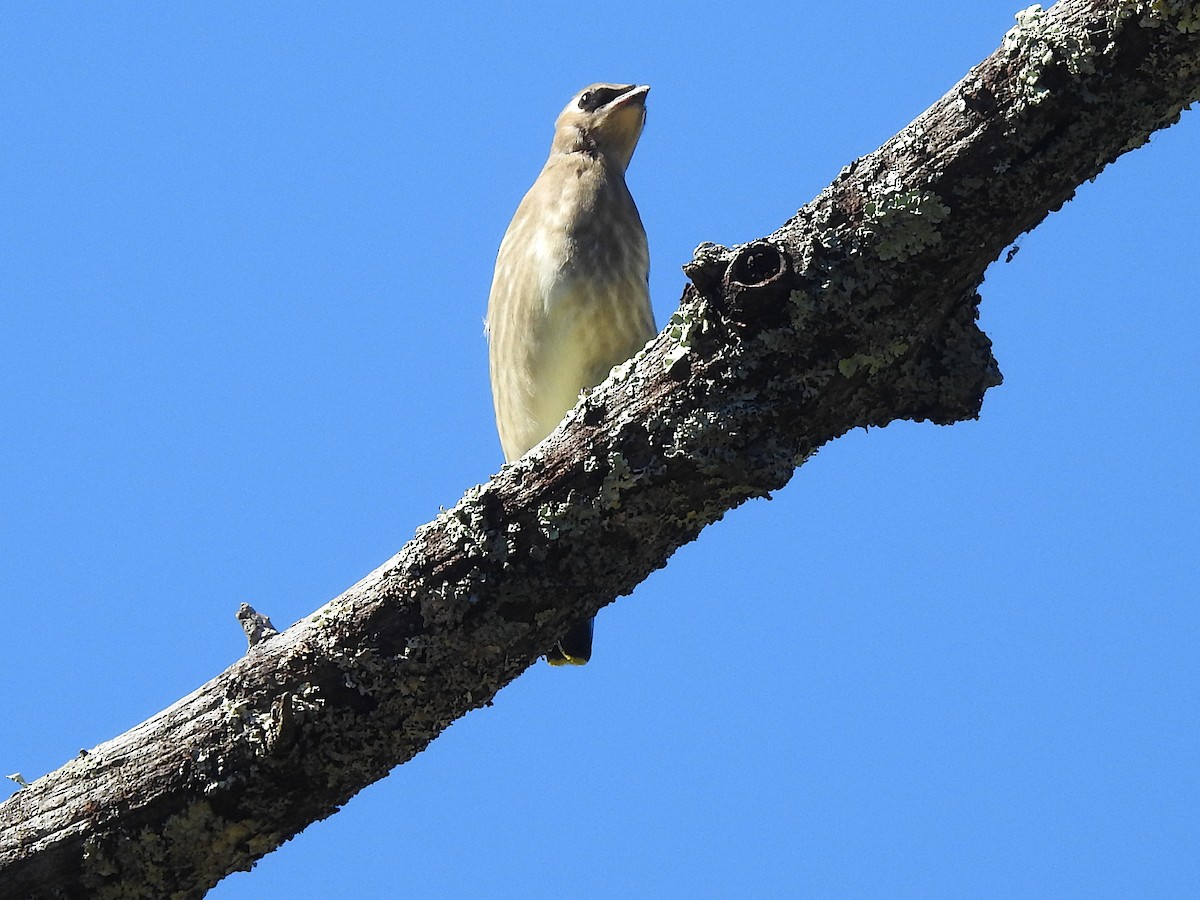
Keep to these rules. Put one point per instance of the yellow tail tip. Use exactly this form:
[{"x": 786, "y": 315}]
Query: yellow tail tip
[{"x": 557, "y": 658}]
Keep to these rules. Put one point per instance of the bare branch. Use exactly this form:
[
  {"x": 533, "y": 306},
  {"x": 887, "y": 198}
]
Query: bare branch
[{"x": 858, "y": 311}]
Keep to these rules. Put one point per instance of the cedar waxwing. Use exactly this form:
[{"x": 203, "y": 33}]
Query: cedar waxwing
[{"x": 570, "y": 296}]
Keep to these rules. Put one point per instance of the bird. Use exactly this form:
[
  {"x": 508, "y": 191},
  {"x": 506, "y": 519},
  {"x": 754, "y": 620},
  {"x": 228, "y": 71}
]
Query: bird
[{"x": 570, "y": 295}]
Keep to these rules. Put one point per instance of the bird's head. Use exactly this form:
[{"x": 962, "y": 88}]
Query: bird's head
[{"x": 603, "y": 119}]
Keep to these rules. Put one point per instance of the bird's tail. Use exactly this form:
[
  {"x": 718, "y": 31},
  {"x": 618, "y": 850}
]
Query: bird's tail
[{"x": 575, "y": 647}]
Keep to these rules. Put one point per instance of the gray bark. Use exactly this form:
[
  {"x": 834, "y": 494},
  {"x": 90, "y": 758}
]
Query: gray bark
[{"x": 860, "y": 310}]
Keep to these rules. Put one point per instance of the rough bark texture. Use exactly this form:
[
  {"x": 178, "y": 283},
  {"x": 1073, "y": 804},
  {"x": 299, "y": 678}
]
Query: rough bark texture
[{"x": 858, "y": 311}]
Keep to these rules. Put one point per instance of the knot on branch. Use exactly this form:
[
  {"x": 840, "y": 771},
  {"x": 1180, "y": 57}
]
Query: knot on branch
[
  {"x": 757, "y": 266},
  {"x": 757, "y": 279},
  {"x": 747, "y": 286}
]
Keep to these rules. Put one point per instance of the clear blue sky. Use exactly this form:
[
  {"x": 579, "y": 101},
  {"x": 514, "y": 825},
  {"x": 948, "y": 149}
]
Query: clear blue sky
[{"x": 244, "y": 258}]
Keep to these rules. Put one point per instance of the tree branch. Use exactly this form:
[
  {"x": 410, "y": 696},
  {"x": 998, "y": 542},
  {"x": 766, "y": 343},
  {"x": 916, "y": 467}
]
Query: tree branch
[{"x": 858, "y": 311}]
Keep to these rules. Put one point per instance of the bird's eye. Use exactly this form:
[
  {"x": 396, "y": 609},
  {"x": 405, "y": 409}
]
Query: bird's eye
[{"x": 592, "y": 100}]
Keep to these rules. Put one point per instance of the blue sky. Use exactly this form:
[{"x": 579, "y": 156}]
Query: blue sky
[{"x": 244, "y": 258}]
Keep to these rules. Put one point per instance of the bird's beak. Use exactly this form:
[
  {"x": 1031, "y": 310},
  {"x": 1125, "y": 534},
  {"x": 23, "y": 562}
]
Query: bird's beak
[{"x": 636, "y": 93}]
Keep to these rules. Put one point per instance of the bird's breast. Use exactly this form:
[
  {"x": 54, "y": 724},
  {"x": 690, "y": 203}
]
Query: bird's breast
[{"x": 569, "y": 299}]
